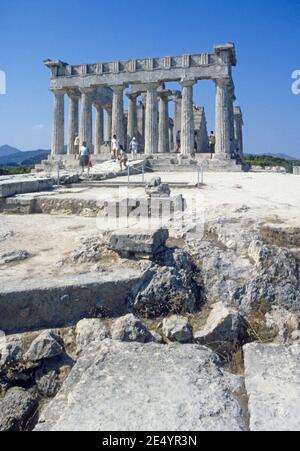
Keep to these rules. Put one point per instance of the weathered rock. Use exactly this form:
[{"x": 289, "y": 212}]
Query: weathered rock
[
  {"x": 10, "y": 353},
  {"x": 140, "y": 243},
  {"x": 129, "y": 328},
  {"x": 165, "y": 290},
  {"x": 223, "y": 327},
  {"x": 14, "y": 256},
  {"x": 162, "y": 190},
  {"x": 177, "y": 328},
  {"x": 130, "y": 386},
  {"x": 284, "y": 323},
  {"x": 50, "y": 376},
  {"x": 273, "y": 386},
  {"x": 89, "y": 251},
  {"x": 45, "y": 346},
  {"x": 16, "y": 409},
  {"x": 89, "y": 331},
  {"x": 156, "y": 337},
  {"x": 154, "y": 182}
]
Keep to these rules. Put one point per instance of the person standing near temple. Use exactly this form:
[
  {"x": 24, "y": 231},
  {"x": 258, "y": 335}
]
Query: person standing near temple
[
  {"x": 178, "y": 141},
  {"x": 212, "y": 143},
  {"x": 84, "y": 157},
  {"x": 122, "y": 157},
  {"x": 115, "y": 147},
  {"x": 76, "y": 145},
  {"x": 133, "y": 147}
]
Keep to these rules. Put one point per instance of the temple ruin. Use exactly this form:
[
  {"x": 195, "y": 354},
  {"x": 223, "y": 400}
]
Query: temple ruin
[{"x": 103, "y": 86}]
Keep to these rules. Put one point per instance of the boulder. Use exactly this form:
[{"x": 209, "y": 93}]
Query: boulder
[
  {"x": 89, "y": 331},
  {"x": 16, "y": 409},
  {"x": 139, "y": 243},
  {"x": 137, "y": 387},
  {"x": 223, "y": 327},
  {"x": 162, "y": 190},
  {"x": 177, "y": 328},
  {"x": 45, "y": 346},
  {"x": 273, "y": 386},
  {"x": 283, "y": 322},
  {"x": 129, "y": 328},
  {"x": 154, "y": 182},
  {"x": 163, "y": 290},
  {"x": 10, "y": 353}
]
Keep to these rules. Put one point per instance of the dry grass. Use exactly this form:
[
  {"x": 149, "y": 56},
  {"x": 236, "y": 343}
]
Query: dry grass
[
  {"x": 256, "y": 324},
  {"x": 281, "y": 237}
]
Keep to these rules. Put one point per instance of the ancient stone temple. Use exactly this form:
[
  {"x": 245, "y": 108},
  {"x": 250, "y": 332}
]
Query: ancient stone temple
[{"x": 103, "y": 86}]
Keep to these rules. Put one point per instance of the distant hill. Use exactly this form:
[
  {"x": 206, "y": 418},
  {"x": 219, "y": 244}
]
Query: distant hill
[
  {"x": 10, "y": 156},
  {"x": 8, "y": 150},
  {"x": 281, "y": 156}
]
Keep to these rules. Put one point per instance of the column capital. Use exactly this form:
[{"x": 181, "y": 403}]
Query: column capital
[
  {"x": 58, "y": 92},
  {"x": 187, "y": 83},
  {"x": 87, "y": 90},
  {"x": 73, "y": 94},
  {"x": 222, "y": 82},
  {"x": 151, "y": 86},
  {"x": 118, "y": 88},
  {"x": 132, "y": 95}
]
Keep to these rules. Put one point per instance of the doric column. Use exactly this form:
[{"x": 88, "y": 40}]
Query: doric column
[
  {"x": 58, "y": 125},
  {"x": 118, "y": 113},
  {"x": 163, "y": 126},
  {"x": 171, "y": 134},
  {"x": 222, "y": 133},
  {"x": 132, "y": 117},
  {"x": 238, "y": 130},
  {"x": 86, "y": 117},
  {"x": 187, "y": 118},
  {"x": 99, "y": 137},
  {"x": 108, "y": 125},
  {"x": 177, "y": 116},
  {"x": 151, "y": 120},
  {"x": 73, "y": 124}
]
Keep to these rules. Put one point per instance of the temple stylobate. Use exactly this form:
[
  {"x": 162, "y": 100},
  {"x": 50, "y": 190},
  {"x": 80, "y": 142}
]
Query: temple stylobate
[{"x": 103, "y": 86}]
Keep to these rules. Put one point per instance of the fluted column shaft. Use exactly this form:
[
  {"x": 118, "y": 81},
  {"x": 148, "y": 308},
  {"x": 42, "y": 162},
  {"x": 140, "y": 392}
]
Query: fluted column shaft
[
  {"x": 86, "y": 118},
  {"x": 118, "y": 114},
  {"x": 177, "y": 117},
  {"x": 238, "y": 131},
  {"x": 58, "y": 125},
  {"x": 163, "y": 126},
  {"x": 171, "y": 134},
  {"x": 132, "y": 117},
  {"x": 151, "y": 120},
  {"x": 73, "y": 124},
  {"x": 222, "y": 131},
  {"x": 187, "y": 118},
  {"x": 108, "y": 125},
  {"x": 99, "y": 137}
]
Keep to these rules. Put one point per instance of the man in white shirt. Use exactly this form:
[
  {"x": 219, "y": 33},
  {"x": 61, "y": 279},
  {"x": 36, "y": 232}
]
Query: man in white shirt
[{"x": 115, "y": 147}]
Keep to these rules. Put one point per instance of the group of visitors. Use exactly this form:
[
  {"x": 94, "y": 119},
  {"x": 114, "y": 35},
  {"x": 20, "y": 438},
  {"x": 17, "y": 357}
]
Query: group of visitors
[
  {"x": 211, "y": 142},
  {"x": 119, "y": 153}
]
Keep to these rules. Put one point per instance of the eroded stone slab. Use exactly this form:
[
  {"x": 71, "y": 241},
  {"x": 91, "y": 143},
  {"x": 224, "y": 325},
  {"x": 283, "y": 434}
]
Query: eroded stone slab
[
  {"x": 137, "y": 387},
  {"x": 273, "y": 386}
]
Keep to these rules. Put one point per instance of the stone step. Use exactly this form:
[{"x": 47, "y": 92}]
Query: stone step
[{"x": 50, "y": 303}]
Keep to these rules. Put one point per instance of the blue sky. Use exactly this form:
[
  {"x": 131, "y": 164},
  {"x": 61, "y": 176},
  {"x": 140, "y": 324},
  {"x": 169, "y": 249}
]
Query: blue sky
[{"x": 266, "y": 34}]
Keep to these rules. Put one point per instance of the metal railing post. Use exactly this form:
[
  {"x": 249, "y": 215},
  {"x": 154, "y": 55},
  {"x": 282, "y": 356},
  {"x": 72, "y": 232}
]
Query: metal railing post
[
  {"x": 58, "y": 174},
  {"x": 128, "y": 174},
  {"x": 143, "y": 174}
]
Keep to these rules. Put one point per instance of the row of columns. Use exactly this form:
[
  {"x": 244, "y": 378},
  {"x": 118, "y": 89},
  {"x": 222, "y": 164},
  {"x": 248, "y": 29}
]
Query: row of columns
[{"x": 157, "y": 125}]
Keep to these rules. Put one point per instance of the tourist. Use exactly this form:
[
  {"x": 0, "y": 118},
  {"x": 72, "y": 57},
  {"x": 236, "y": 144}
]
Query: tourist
[
  {"x": 122, "y": 157},
  {"x": 115, "y": 147},
  {"x": 133, "y": 147},
  {"x": 76, "y": 145},
  {"x": 178, "y": 141},
  {"x": 84, "y": 157},
  {"x": 212, "y": 143}
]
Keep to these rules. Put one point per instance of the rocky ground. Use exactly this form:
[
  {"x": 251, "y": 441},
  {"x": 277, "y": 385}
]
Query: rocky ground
[{"x": 215, "y": 313}]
